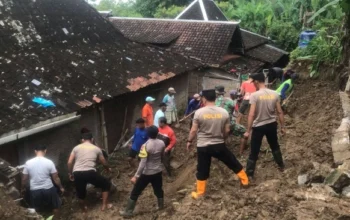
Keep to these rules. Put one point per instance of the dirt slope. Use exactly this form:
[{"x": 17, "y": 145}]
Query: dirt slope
[{"x": 314, "y": 113}]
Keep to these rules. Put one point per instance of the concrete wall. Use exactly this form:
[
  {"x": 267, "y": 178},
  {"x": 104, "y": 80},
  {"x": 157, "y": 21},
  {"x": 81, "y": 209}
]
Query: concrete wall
[
  {"x": 340, "y": 140},
  {"x": 211, "y": 77},
  {"x": 59, "y": 141}
]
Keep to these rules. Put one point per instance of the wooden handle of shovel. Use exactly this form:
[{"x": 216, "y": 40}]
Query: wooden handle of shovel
[{"x": 184, "y": 118}]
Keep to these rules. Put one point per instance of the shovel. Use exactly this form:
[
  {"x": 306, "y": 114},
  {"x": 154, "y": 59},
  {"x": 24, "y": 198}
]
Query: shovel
[{"x": 183, "y": 119}]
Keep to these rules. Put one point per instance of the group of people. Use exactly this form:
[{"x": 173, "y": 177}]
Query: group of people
[
  {"x": 212, "y": 126},
  {"x": 214, "y": 118},
  {"x": 41, "y": 176}
]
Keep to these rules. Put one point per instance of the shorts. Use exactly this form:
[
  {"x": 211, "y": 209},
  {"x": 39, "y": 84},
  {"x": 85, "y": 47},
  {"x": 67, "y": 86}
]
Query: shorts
[
  {"x": 237, "y": 129},
  {"x": 244, "y": 106},
  {"x": 133, "y": 153},
  {"x": 45, "y": 198},
  {"x": 82, "y": 178}
]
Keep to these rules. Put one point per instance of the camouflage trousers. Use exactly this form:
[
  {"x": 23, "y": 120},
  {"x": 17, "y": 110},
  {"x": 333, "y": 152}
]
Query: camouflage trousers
[{"x": 237, "y": 129}]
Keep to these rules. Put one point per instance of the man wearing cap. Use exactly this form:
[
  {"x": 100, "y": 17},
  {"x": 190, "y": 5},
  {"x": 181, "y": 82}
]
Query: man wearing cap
[
  {"x": 229, "y": 105},
  {"x": 147, "y": 111},
  {"x": 193, "y": 105},
  {"x": 237, "y": 129},
  {"x": 171, "y": 111},
  {"x": 247, "y": 89},
  {"x": 160, "y": 113},
  {"x": 224, "y": 102},
  {"x": 211, "y": 125},
  {"x": 265, "y": 103}
]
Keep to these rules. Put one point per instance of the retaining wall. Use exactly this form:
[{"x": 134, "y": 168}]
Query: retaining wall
[{"x": 340, "y": 140}]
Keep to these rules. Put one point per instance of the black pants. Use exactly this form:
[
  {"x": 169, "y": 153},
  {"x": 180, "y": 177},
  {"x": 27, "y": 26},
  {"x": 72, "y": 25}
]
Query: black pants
[
  {"x": 270, "y": 131},
  {"x": 82, "y": 178},
  {"x": 157, "y": 183},
  {"x": 219, "y": 151},
  {"x": 166, "y": 162},
  {"x": 45, "y": 198}
]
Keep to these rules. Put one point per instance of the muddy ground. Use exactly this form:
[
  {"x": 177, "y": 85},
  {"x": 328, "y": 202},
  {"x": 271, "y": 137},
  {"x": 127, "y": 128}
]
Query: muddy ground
[{"x": 314, "y": 112}]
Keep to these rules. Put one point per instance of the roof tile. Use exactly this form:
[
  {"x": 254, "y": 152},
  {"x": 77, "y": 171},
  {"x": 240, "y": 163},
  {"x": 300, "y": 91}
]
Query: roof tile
[{"x": 54, "y": 43}]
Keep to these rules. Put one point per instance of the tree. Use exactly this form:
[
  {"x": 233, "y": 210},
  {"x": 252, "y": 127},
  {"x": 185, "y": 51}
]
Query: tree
[
  {"x": 148, "y": 8},
  {"x": 170, "y": 12},
  {"x": 120, "y": 9}
]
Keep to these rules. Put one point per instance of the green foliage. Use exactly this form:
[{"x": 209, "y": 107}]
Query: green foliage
[
  {"x": 324, "y": 48},
  {"x": 119, "y": 9},
  {"x": 170, "y": 12},
  {"x": 284, "y": 34},
  {"x": 281, "y": 20},
  {"x": 148, "y": 8}
]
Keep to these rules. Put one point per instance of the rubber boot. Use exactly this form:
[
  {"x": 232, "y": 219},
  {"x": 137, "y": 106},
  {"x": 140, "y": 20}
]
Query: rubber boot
[
  {"x": 277, "y": 156},
  {"x": 129, "y": 209},
  {"x": 201, "y": 185},
  {"x": 243, "y": 177},
  {"x": 160, "y": 203},
  {"x": 250, "y": 168}
]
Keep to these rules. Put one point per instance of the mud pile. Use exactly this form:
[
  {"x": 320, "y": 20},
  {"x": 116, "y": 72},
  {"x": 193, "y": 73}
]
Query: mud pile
[
  {"x": 314, "y": 112},
  {"x": 11, "y": 210}
]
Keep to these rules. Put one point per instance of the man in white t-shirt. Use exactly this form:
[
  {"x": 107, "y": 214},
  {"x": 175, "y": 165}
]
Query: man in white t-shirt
[
  {"x": 160, "y": 113},
  {"x": 40, "y": 172}
]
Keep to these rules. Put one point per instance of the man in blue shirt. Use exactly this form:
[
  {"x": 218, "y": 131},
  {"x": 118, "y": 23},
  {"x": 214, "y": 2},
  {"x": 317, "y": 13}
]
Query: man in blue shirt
[
  {"x": 193, "y": 105},
  {"x": 140, "y": 137}
]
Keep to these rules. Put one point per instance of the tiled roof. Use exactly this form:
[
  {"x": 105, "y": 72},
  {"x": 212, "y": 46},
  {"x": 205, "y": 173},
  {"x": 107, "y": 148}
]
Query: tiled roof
[
  {"x": 64, "y": 51},
  {"x": 252, "y": 40},
  {"x": 267, "y": 53},
  {"x": 211, "y": 12},
  {"x": 207, "y": 41}
]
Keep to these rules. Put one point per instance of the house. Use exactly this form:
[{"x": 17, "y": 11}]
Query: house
[
  {"x": 212, "y": 43},
  {"x": 202, "y": 32},
  {"x": 255, "y": 45},
  {"x": 65, "y": 52}
]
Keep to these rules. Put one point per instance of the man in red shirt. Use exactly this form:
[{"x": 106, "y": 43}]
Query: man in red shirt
[
  {"x": 167, "y": 135},
  {"x": 247, "y": 88},
  {"x": 147, "y": 111}
]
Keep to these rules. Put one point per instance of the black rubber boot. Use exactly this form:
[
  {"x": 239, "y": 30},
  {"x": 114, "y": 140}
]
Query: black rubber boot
[
  {"x": 277, "y": 156},
  {"x": 129, "y": 209},
  {"x": 250, "y": 168},
  {"x": 160, "y": 204}
]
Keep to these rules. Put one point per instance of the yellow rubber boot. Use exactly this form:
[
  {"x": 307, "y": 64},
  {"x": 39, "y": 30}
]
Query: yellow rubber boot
[
  {"x": 201, "y": 185},
  {"x": 243, "y": 177}
]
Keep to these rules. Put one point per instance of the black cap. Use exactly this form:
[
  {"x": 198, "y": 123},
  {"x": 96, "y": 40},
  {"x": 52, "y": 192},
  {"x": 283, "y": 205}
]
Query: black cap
[
  {"x": 162, "y": 104},
  {"x": 209, "y": 94},
  {"x": 260, "y": 77}
]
